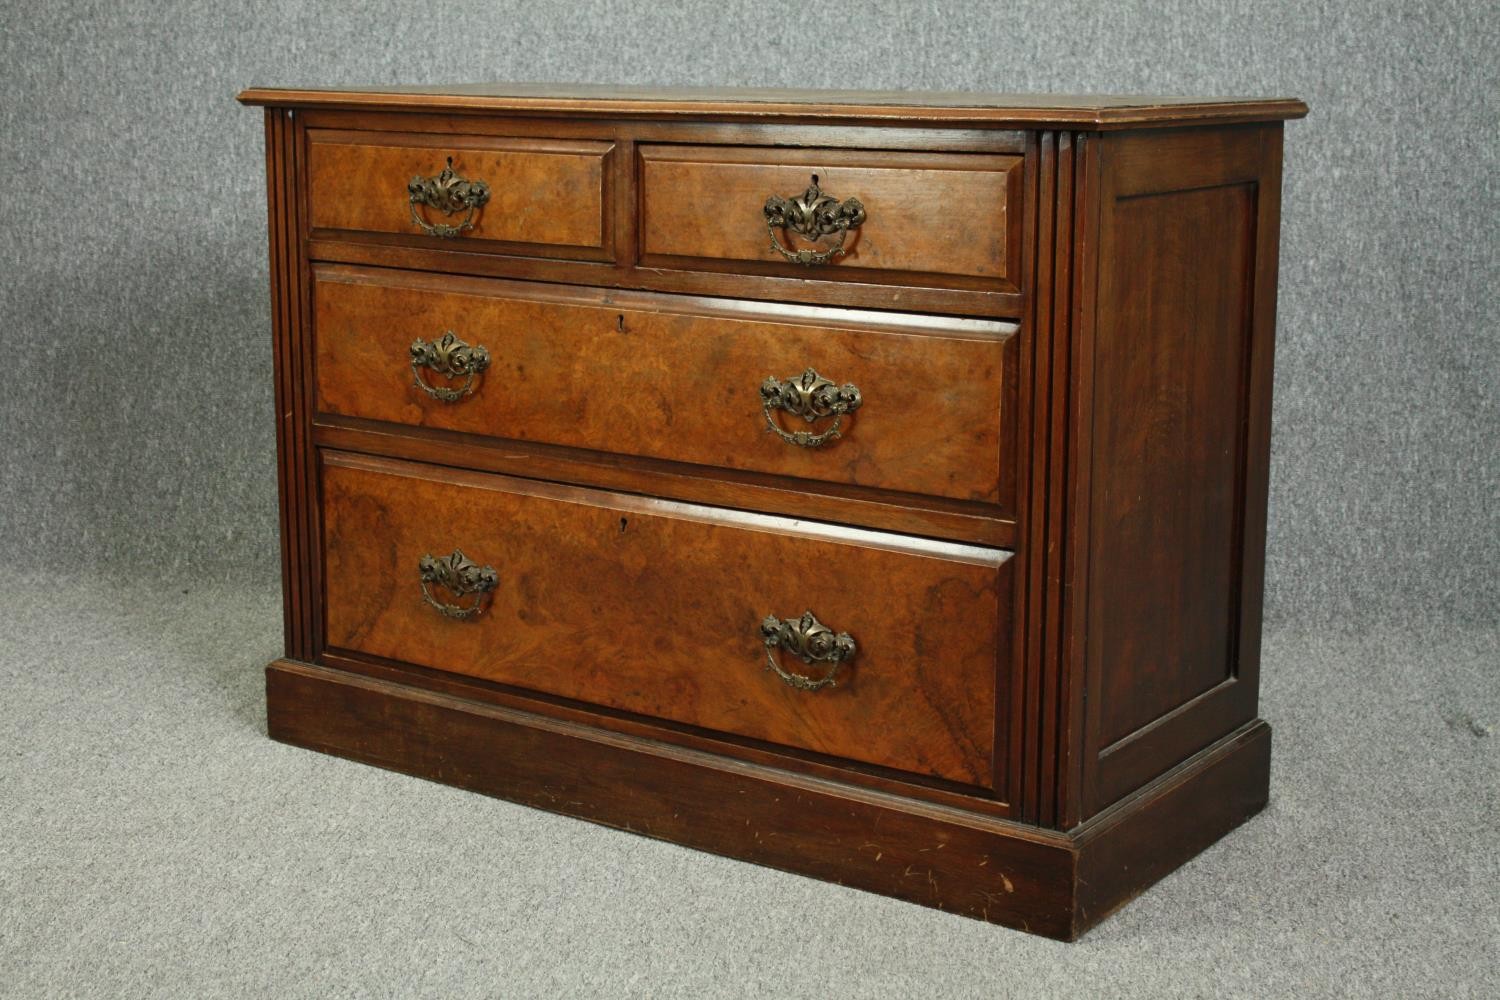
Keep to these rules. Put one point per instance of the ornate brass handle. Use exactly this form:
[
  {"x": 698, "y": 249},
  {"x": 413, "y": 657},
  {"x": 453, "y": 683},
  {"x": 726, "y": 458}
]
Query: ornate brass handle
[
  {"x": 450, "y": 194},
  {"x": 813, "y": 215},
  {"x": 811, "y": 397},
  {"x": 809, "y": 640},
  {"x": 450, "y": 358},
  {"x": 460, "y": 577}
]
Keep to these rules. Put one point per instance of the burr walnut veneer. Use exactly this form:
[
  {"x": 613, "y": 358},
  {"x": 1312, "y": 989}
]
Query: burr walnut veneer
[{"x": 868, "y": 485}]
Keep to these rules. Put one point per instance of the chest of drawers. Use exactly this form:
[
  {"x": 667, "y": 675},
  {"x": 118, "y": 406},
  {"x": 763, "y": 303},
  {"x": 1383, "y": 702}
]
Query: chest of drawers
[{"x": 871, "y": 486}]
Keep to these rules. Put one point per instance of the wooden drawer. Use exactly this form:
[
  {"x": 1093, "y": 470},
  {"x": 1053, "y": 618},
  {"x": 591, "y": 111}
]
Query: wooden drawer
[
  {"x": 946, "y": 219},
  {"x": 656, "y": 608},
  {"x": 678, "y": 378},
  {"x": 541, "y": 197}
]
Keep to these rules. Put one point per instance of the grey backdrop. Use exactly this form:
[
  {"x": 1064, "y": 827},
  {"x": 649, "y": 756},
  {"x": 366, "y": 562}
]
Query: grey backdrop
[{"x": 137, "y": 418}]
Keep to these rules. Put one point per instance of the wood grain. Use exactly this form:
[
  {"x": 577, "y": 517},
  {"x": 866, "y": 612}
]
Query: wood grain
[
  {"x": 654, "y": 607},
  {"x": 927, "y": 213},
  {"x": 1170, "y": 367},
  {"x": 543, "y": 192},
  {"x": 677, "y": 379},
  {"x": 1169, "y": 665}
]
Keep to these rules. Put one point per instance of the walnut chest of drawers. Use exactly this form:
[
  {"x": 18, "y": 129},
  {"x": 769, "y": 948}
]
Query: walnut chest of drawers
[{"x": 871, "y": 486}]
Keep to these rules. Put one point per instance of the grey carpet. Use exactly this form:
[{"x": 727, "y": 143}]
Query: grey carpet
[{"x": 154, "y": 842}]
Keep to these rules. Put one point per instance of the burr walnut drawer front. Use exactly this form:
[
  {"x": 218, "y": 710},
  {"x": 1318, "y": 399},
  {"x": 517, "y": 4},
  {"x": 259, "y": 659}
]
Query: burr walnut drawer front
[
  {"x": 906, "y": 403},
  {"x": 873, "y": 648},
  {"x": 532, "y": 196},
  {"x": 943, "y": 219}
]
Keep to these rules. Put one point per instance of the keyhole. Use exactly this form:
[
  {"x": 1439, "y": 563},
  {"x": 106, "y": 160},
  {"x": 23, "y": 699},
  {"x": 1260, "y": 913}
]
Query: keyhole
[
  {"x": 623, "y": 522},
  {"x": 620, "y": 323},
  {"x": 815, "y": 180}
]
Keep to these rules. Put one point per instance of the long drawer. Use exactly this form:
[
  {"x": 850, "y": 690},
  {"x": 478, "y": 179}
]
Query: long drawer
[
  {"x": 862, "y": 646},
  {"x": 914, "y": 404}
]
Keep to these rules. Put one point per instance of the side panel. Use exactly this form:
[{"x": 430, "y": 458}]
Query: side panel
[{"x": 1178, "y": 376}]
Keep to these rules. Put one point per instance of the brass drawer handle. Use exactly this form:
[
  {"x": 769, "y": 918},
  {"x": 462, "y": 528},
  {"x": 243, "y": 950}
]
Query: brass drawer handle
[
  {"x": 813, "y": 215},
  {"x": 809, "y": 640},
  {"x": 450, "y": 358},
  {"x": 450, "y": 194},
  {"x": 460, "y": 577},
  {"x": 811, "y": 397}
]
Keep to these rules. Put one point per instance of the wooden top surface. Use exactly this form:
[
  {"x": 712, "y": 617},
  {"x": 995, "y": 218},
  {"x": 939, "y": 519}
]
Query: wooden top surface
[{"x": 926, "y": 107}]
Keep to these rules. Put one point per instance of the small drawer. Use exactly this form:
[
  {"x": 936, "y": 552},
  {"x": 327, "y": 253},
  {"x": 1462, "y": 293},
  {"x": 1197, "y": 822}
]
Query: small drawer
[
  {"x": 911, "y": 404},
  {"x": 942, "y": 219},
  {"x": 543, "y": 197},
  {"x": 874, "y": 648}
]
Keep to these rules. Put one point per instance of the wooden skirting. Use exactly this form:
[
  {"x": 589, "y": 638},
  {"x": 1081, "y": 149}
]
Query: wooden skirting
[{"x": 1046, "y": 882}]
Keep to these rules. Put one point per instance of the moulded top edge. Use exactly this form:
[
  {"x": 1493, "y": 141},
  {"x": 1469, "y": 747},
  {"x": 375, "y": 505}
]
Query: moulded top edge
[{"x": 908, "y": 107}]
